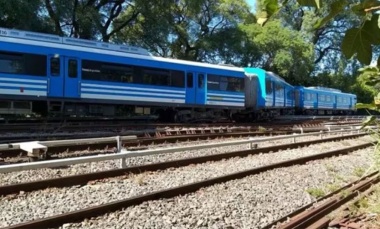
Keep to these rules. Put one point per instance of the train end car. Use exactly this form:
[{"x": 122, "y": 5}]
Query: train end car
[{"x": 323, "y": 101}]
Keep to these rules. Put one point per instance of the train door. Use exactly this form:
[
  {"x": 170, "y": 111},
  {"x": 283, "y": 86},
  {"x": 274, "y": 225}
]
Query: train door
[
  {"x": 200, "y": 90},
  {"x": 72, "y": 77},
  {"x": 195, "y": 88},
  {"x": 55, "y": 76}
]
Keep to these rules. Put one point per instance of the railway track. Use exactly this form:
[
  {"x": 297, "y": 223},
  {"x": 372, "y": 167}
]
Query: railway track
[
  {"x": 147, "y": 130},
  {"x": 83, "y": 179},
  {"x": 11, "y": 154},
  {"x": 315, "y": 215},
  {"x": 79, "y": 215},
  {"x": 16, "y": 131}
]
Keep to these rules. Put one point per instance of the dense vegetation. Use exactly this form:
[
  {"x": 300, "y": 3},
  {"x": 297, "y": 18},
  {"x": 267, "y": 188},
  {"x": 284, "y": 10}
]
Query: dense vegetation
[{"x": 300, "y": 40}]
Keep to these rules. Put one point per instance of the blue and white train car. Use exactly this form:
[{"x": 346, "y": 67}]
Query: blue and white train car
[
  {"x": 267, "y": 94},
  {"x": 279, "y": 94},
  {"x": 78, "y": 75},
  {"x": 321, "y": 100}
]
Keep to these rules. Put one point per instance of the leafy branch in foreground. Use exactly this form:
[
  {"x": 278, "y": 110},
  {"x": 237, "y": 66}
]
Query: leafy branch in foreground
[{"x": 357, "y": 40}]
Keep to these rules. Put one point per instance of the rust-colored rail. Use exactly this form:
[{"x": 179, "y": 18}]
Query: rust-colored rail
[
  {"x": 315, "y": 217},
  {"x": 55, "y": 221},
  {"x": 84, "y": 178}
]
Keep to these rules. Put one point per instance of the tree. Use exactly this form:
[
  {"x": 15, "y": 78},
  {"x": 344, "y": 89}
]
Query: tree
[
  {"x": 281, "y": 50},
  {"x": 19, "y": 14},
  {"x": 90, "y": 19},
  {"x": 186, "y": 28}
]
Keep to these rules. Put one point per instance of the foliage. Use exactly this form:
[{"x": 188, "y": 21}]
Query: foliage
[
  {"x": 316, "y": 192},
  {"x": 280, "y": 50},
  {"x": 357, "y": 40},
  {"x": 89, "y": 19},
  {"x": 187, "y": 29},
  {"x": 19, "y": 14}
]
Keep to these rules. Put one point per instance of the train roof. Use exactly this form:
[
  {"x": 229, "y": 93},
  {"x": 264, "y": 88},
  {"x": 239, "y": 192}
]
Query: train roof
[
  {"x": 325, "y": 89},
  {"x": 54, "y": 41},
  {"x": 277, "y": 77}
]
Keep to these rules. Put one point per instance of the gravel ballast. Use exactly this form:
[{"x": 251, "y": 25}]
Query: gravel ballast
[
  {"x": 52, "y": 201},
  {"x": 251, "y": 202}
]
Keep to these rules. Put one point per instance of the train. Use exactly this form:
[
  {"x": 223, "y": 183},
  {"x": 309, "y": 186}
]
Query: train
[{"x": 49, "y": 75}]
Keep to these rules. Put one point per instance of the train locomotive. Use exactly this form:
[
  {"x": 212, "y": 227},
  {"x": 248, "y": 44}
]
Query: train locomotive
[{"x": 51, "y": 75}]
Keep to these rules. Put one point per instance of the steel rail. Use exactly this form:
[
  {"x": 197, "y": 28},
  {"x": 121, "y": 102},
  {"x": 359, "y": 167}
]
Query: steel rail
[
  {"x": 315, "y": 216},
  {"x": 326, "y": 221},
  {"x": 84, "y": 178},
  {"x": 309, "y": 206},
  {"x": 79, "y": 215},
  {"x": 58, "y": 146}
]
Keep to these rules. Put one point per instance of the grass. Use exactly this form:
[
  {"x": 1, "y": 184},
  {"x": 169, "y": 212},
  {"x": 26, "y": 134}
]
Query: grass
[
  {"x": 369, "y": 206},
  {"x": 262, "y": 129},
  {"x": 316, "y": 192},
  {"x": 139, "y": 179},
  {"x": 359, "y": 171},
  {"x": 332, "y": 187}
]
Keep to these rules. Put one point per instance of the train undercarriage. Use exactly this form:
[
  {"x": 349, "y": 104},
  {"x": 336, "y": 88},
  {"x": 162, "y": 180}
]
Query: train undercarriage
[{"x": 60, "y": 109}]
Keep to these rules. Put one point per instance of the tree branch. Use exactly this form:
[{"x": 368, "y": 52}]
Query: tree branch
[
  {"x": 54, "y": 17},
  {"x": 372, "y": 9},
  {"x": 120, "y": 27}
]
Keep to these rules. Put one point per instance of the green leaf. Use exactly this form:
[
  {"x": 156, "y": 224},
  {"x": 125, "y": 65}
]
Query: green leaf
[
  {"x": 358, "y": 41},
  {"x": 262, "y": 17},
  {"x": 336, "y": 8},
  {"x": 269, "y": 8},
  {"x": 366, "y": 106},
  {"x": 368, "y": 121},
  {"x": 368, "y": 69},
  {"x": 371, "y": 30},
  {"x": 311, "y": 3}
]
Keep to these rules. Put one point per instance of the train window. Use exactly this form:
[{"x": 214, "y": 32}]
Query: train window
[
  {"x": 290, "y": 94},
  {"x": 268, "y": 86},
  {"x": 189, "y": 80},
  {"x": 322, "y": 98},
  {"x": 23, "y": 63},
  {"x": 117, "y": 73},
  {"x": 339, "y": 99},
  {"x": 201, "y": 81},
  {"x": 178, "y": 79},
  {"x": 328, "y": 98},
  {"x": 55, "y": 66},
  {"x": 73, "y": 69},
  {"x": 102, "y": 71},
  {"x": 5, "y": 104},
  {"x": 235, "y": 84},
  {"x": 307, "y": 96},
  {"x": 224, "y": 83},
  {"x": 213, "y": 82},
  {"x": 21, "y": 105},
  {"x": 279, "y": 90},
  {"x": 156, "y": 77}
]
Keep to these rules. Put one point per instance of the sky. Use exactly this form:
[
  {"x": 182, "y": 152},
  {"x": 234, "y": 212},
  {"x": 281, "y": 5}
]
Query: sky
[{"x": 252, "y": 4}]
